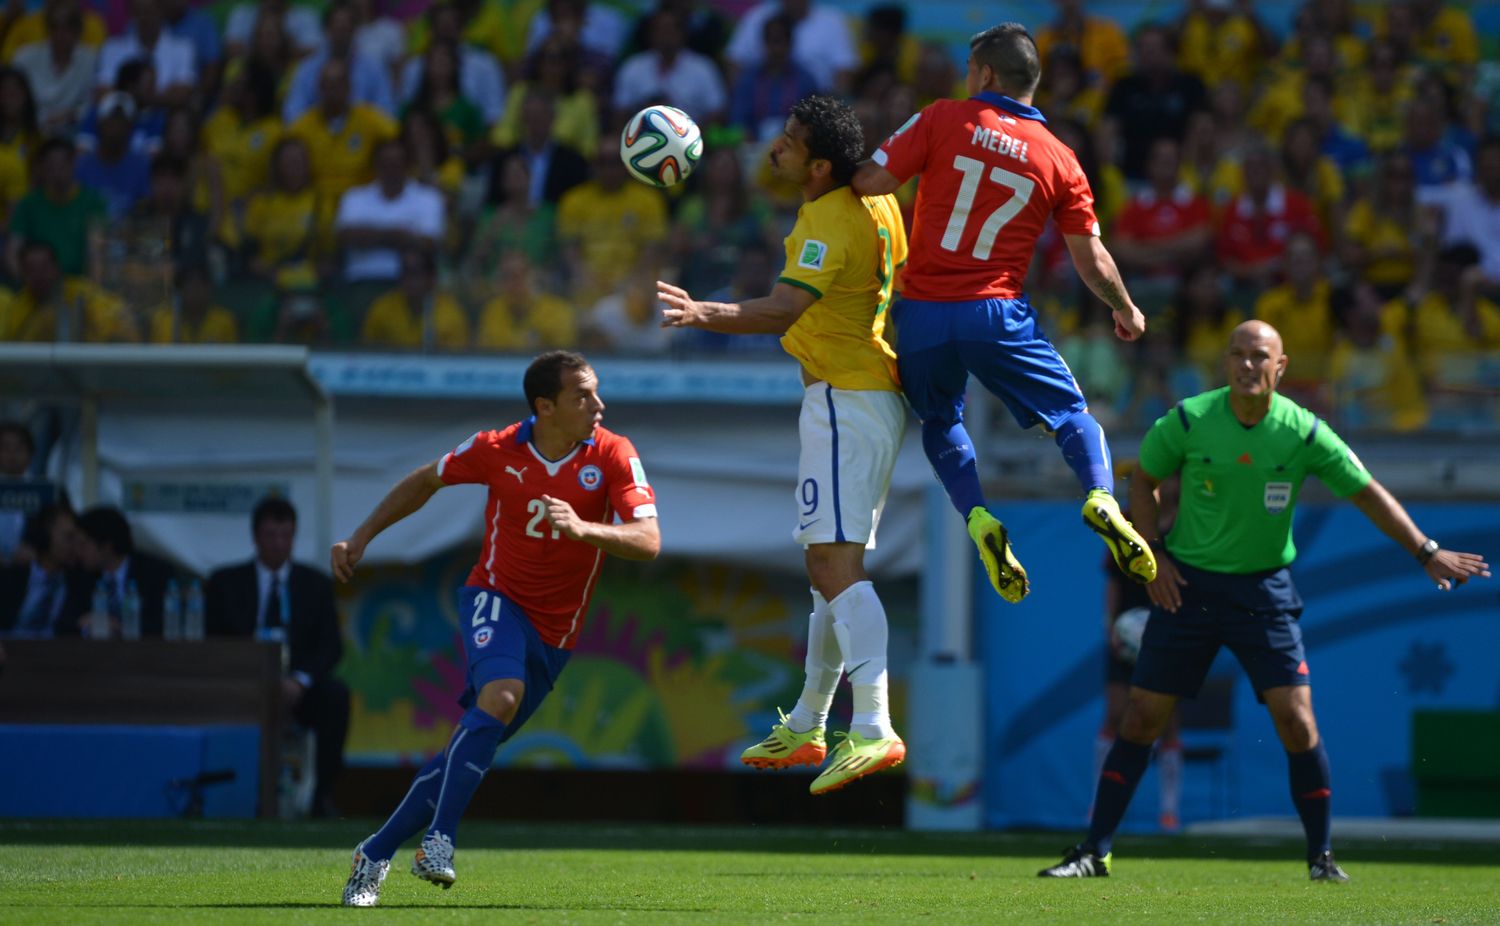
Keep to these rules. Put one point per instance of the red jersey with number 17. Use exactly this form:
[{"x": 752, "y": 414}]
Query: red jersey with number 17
[
  {"x": 548, "y": 575},
  {"x": 992, "y": 175}
]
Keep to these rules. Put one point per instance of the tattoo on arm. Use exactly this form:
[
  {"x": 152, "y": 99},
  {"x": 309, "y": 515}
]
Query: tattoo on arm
[{"x": 1113, "y": 294}]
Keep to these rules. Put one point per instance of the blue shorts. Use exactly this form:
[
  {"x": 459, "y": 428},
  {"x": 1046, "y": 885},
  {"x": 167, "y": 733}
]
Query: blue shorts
[
  {"x": 938, "y": 344},
  {"x": 1254, "y": 615},
  {"x": 500, "y": 642}
]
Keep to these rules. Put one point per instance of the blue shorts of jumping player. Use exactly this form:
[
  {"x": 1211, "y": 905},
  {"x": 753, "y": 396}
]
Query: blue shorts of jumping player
[
  {"x": 999, "y": 341},
  {"x": 1254, "y": 615},
  {"x": 500, "y": 642}
]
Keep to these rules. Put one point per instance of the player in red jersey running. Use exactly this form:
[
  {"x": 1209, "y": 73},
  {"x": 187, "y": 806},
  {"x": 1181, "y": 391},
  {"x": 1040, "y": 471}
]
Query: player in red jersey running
[
  {"x": 556, "y": 482},
  {"x": 992, "y": 177}
]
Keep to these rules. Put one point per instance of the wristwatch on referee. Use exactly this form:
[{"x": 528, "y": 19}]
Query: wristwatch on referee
[{"x": 1428, "y": 550}]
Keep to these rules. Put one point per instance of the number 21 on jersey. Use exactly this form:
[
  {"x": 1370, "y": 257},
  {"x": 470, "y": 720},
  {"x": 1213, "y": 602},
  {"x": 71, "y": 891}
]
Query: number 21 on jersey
[{"x": 538, "y": 511}]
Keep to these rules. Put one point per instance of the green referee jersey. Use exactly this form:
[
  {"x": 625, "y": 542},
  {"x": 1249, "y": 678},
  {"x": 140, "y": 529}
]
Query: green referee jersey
[{"x": 1239, "y": 484}]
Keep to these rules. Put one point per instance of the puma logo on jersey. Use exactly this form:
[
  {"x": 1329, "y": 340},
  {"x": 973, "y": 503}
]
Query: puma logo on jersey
[
  {"x": 1000, "y": 143},
  {"x": 517, "y": 473}
]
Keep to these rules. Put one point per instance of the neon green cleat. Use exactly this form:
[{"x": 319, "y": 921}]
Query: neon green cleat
[
  {"x": 856, "y": 757},
  {"x": 784, "y": 748},
  {"x": 1005, "y": 571},
  {"x": 1131, "y": 551}
]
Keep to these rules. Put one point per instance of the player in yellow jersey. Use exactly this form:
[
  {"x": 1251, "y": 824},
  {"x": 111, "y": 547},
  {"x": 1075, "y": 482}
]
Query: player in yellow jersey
[{"x": 830, "y": 305}]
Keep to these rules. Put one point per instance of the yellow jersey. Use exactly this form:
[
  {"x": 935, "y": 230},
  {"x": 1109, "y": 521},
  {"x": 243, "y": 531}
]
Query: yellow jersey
[
  {"x": 243, "y": 150},
  {"x": 340, "y": 152},
  {"x": 546, "y": 321},
  {"x": 390, "y": 322},
  {"x": 88, "y": 314},
  {"x": 32, "y": 27},
  {"x": 217, "y": 327},
  {"x": 845, "y": 250},
  {"x": 1306, "y": 327}
]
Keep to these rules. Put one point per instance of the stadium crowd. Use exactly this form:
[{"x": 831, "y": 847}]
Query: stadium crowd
[{"x": 393, "y": 174}]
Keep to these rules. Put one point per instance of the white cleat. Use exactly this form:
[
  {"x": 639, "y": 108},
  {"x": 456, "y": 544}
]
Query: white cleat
[
  {"x": 434, "y": 860},
  {"x": 365, "y": 878}
]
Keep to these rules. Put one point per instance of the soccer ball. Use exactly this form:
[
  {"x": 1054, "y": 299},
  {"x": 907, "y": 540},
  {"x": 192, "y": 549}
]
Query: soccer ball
[
  {"x": 1129, "y": 628},
  {"x": 661, "y": 145}
]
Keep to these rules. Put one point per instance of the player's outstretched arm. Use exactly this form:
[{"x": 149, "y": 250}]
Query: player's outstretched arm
[
  {"x": 1447, "y": 568},
  {"x": 639, "y": 539},
  {"x": 1098, "y": 271},
  {"x": 408, "y": 495},
  {"x": 772, "y": 314},
  {"x": 870, "y": 179}
]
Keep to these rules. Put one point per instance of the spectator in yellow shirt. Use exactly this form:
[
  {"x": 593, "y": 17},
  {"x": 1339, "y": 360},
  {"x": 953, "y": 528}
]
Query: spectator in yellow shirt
[
  {"x": 192, "y": 317},
  {"x": 1445, "y": 320},
  {"x": 288, "y": 229},
  {"x": 1385, "y": 232},
  {"x": 1221, "y": 40},
  {"x": 1200, "y": 319},
  {"x": 52, "y": 307},
  {"x": 340, "y": 136},
  {"x": 1299, "y": 309},
  {"x": 416, "y": 314},
  {"x": 243, "y": 130},
  {"x": 1065, "y": 92},
  {"x": 521, "y": 317},
  {"x": 1100, "y": 41},
  {"x": 32, "y": 27},
  {"x": 1374, "y": 383},
  {"x": 1439, "y": 32},
  {"x": 1373, "y": 104},
  {"x": 555, "y": 72},
  {"x": 607, "y": 225}
]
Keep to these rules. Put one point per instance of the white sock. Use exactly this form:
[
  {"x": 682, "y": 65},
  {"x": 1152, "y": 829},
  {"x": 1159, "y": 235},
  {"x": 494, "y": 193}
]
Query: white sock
[
  {"x": 1169, "y": 773},
  {"x": 824, "y": 667},
  {"x": 859, "y": 623}
]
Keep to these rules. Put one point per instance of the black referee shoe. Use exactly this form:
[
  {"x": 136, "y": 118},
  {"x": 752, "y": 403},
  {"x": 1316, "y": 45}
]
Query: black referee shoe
[{"x": 1324, "y": 868}]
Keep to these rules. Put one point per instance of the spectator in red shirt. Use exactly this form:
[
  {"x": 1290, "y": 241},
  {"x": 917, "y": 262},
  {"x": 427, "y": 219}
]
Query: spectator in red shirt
[
  {"x": 1167, "y": 226},
  {"x": 1255, "y": 226}
]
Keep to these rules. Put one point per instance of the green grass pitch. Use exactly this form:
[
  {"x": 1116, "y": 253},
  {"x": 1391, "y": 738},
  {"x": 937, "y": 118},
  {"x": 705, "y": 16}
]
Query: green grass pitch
[{"x": 223, "y": 873}]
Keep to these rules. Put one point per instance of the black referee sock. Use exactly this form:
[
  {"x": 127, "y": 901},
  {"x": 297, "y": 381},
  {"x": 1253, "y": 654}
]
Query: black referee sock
[
  {"x": 1123, "y": 768},
  {"x": 1311, "y": 789}
]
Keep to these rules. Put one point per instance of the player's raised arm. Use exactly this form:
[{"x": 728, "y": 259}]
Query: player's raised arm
[
  {"x": 405, "y": 497},
  {"x": 1098, "y": 271},
  {"x": 772, "y": 314},
  {"x": 1447, "y": 568}
]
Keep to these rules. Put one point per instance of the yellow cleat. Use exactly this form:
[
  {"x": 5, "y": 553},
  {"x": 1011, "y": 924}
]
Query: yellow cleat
[
  {"x": 1005, "y": 571},
  {"x": 1131, "y": 551},
  {"x": 854, "y": 758},
  {"x": 784, "y": 748}
]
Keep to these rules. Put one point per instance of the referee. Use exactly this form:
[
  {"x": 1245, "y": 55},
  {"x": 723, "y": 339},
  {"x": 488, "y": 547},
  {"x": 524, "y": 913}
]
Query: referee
[{"x": 1243, "y": 452}]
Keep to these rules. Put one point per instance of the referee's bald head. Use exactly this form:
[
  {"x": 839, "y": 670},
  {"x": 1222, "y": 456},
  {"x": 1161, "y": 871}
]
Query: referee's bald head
[
  {"x": 1256, "y": 330},
  {"x": 1254, "y": 360}
]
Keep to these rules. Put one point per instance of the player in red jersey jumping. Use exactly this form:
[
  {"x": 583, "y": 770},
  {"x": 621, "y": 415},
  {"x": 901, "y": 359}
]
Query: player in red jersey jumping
[
  {"x": 556, "y": 482},
  {"x": 993, "y": 175}
]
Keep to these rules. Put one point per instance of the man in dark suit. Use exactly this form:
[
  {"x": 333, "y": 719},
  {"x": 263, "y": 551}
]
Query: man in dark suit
[
  {"x": 554, "y": 169},
  {"x": 33, "y": 594},
  {"x": 273, "y": 598},
  {"x": 106, "y": 551}
]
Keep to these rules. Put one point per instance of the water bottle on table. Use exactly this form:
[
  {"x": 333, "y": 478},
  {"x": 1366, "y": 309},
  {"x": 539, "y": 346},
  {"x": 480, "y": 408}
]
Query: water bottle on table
[
  {"x": 96, "y": 626},
  {"x": 192, "y": 628},
  {"x": 130, "y": 612},
  {"x": 171, "y": 612}
]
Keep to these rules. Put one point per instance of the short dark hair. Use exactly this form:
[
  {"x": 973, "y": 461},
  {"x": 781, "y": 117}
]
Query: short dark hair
[
  {"x": 36, "y": 533},
  {"x": 106, "y": 525},
  {"x": 888, "y": 16},
  {"x": 833, "y": 133},
  {"x": 543, "y": 378},
  {"x": 21, "y": 431},
  {"x": 272, "y": 508},
  {"x": 1010, "y": 51},
  {"x": 168, "y": 164},
  {"x": 54, "y": 144}
]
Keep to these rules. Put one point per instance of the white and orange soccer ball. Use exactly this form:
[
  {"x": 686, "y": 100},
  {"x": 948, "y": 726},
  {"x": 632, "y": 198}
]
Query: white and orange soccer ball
[{"x": 661, "y": 146}]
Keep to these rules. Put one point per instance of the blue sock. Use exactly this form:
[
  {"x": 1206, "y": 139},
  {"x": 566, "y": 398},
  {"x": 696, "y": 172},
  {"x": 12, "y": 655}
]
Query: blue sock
[
  {"x": 469, "y": 757},
  {"x": 1123, "y": 768},
  {"x": 1311, "y": 790},
  {"x": 1083, "y": 447},
  {"x": 951, "y": 454},
  {"x": 412, "y": 814}
]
